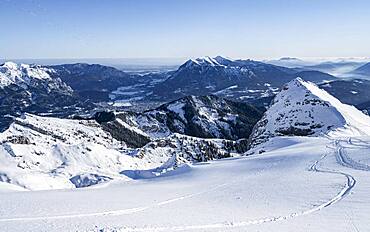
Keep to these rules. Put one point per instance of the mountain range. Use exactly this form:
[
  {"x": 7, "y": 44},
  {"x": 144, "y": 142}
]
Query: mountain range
[
  {"x": 80, "y": 89},
  {"x": 74, "y": 153},
  {"x": 220, "y": 75}
]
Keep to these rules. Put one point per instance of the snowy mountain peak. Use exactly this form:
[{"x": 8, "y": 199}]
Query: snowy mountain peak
[
  {"x": 303, "y": 109},
  {"x": 222, "y": 60},
  {"x": 10, "y": 65},
  {"x": 206, "y": 61},
  {"x": 289, "y": 59},
  {"x": 12, "y": 73}
]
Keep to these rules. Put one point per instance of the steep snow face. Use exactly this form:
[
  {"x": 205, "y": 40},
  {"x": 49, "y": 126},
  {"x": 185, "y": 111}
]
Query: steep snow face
[
  {"x": 303, "y": 109},
  {"x": 12, "y": 73}
]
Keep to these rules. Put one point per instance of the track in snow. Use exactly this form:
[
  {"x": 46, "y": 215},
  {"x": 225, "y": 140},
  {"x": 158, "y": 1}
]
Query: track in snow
[
  {"x": 314, "y": 167},
  {"x": 351, "y": 181},
  {"x": 112, "y": 212},
  {"x": 347, "y": 161}
]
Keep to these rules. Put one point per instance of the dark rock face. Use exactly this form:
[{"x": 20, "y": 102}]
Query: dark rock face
[
  {"x": 104, "y": 116},
  {"x": 121, "y": 133},
  {"x": 194, "y": 149},
  {"x": 294, "y": 131},
  {"x": 19, "y": 140}
]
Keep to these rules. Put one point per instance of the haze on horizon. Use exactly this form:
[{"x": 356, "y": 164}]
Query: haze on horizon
[{"x": 173, "y": 29}]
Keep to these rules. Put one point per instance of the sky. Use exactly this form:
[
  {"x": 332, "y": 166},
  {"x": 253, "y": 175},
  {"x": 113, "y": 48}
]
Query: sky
[{"x": 258, "y": 29}]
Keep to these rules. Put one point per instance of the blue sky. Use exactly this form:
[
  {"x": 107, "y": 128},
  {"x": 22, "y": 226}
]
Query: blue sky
[{"x": 184, "y": 28}]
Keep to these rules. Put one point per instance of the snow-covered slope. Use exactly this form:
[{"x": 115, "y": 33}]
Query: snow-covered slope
[
  {"x": 50, "y": 153},
  {"x": 298, "y": 185},
  {"x": 303, "y": 109}
]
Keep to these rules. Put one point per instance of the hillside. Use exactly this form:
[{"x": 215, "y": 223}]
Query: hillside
[
  {"x": 303, "y": 109},
  {"x": 204, "y": 117}
]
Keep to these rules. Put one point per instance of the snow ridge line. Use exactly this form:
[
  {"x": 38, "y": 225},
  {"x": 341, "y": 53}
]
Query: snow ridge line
[
  {"x": 351, "y": 181},
  {"x": 113, "y": 212}
]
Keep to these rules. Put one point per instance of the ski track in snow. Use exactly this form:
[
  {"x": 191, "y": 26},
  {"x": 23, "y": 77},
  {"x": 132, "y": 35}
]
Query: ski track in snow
[
  {"x": 113, "y": 212},
  {"x": 341, "y": 158},
  {"x": 351, "y": 181},
  {"x": 345, "y": 191},
  {"x": 347, "y": 161}
]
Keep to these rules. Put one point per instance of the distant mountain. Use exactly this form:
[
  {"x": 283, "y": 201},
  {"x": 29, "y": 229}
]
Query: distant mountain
[
  {"x": 62, "y": 90},
  {"x": 339, "y": 68},
  {"x": 31, "y": 88},
  {"x": 234, "y": 79},
  {"x": 104, "y": 84},
  {"x": 352, "y": 92},
  {"x": 289, "y": 59},
  {"x": 302, "y": 109},
  {"x": 364, "y": 70},
  {"x": 290, "y": 62},
  {"x": 93, "y": 81}
]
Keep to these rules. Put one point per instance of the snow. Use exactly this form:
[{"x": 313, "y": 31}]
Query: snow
[
  {"x": 177, "y": 108},
  {"x": 315, "y": 183},
  {"x": 296, "y": 185},
  {"x": 40, "y": 153},
  {"x": 205, "y": 61},
  {"x": 121, "y": 103},
  {"x": 148, "y": 124},
  {"x": 302, "y": 108},
  {"x": 174, "y": 166},
  {"x": 12, "y": 73},
  {"x": 135, "y": 129}
]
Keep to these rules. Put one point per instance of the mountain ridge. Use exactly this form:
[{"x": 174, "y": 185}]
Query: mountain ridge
[{"x": 303, "y": 109}]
